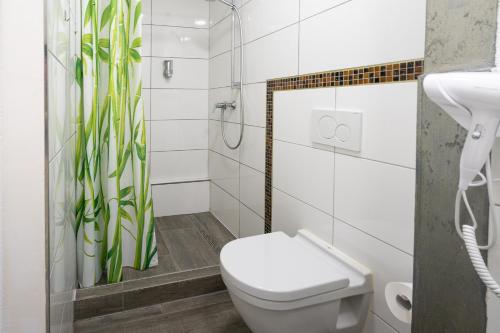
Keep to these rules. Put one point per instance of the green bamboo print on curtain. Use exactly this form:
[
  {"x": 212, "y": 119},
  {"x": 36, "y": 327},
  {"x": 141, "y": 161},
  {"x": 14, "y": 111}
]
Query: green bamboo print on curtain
[{"x": 114, "y": 211}]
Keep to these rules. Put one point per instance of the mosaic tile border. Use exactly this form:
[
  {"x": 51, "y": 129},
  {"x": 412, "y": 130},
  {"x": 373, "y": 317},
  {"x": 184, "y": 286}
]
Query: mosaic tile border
[{"x": 395, "y": 72}]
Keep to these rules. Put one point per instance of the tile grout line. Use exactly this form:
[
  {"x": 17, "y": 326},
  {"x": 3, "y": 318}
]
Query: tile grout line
[
  {"x": 382, "y": 319},
  {"x": 334, "y": 174},
  {"x": 394, "y": 72},
  {"x": 324, "y": 11},
  {"x": 372, "y": 236},
  {"x": 150, "y": 94},
  {"x": 232, "y": 159},
  {"x": 239, "y": 201},
  {"x": 340, "y": 152},
  {"x": 303, "y": 201},
  {"x": 298, "y": 41}
]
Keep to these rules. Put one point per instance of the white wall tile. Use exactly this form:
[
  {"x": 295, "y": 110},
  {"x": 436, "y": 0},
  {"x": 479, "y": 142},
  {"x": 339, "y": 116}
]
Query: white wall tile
[
  {"x": 179, "y": 135},
  {"x": 376, "y": 325},
  {"x": 224, "y": 172},
  {"x": 146, "y": 11},
  {"x": 58, "y": 29},
  {"x": 182, "y": 13},
  {"x": 218, "y": 11},
  {"x": 220, "y": 37},
  {"x": 225, "y": 208},
  {"x": 305, "y": 173},
  {"x": 216, "y": 143},
  {"x": 382, "y": 32},
  {"x": 146, "y": 72},
  {"x": 148, "y": 135},
  {"x": 386, "y": 263},
  {"x": 262, "y": 17},
  {"x": 179, "y": 166},
  {"x": 389, "y": 120},
  {"x": 220, "y": 70},
  {"x": 146, "y": 41},
  {"x": 252, "y": 187},
  {"x": 146, "y": 102},
  {"x": 178, "y": 104},
  {"x": 171, "y": 199},
  {"x": 252, "y": 149},
  {"x": 255, "y": 104},
  {"x": 275, "y": 55},
  {"x": 292, "y": 113},
  {"x": 251, "y": 224},
  {"x": 311, "y": 7},
  {"x": 59, "y": 118},
  {"x": 188, "y": 74},
  {"x": 224, "y": 95},
  {"x": 291, "y": 215},
  {"x": 377, "y": 198},
  {"x": 180, "y": 42},
  {"x": 62, "y": 248}
]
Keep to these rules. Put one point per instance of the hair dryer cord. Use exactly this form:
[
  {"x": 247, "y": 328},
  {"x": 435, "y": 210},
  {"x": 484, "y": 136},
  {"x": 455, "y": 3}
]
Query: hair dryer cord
[{"x": 468, "y": 233}]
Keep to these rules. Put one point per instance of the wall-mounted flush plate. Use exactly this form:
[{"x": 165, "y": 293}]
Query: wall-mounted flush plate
[{"x": 337, "y": 128}]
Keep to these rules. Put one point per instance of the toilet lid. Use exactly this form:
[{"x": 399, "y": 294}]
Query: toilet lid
[{"x": 276, "y": 267}]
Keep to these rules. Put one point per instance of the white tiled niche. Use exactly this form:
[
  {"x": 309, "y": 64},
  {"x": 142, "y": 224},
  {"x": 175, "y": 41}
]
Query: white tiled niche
[{"x": 176, "y": 108}]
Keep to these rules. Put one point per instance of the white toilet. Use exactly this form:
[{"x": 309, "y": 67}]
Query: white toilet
[{"x": 281, "y": 284}]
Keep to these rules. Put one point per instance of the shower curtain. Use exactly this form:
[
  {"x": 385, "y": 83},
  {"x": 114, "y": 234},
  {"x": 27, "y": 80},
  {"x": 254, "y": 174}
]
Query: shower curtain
[{"x": 114, "y": 209}]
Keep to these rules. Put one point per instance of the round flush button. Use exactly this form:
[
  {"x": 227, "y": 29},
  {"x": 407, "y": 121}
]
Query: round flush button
[
  {"x": 343, "y": 132},
  {"x": 327, "y": 126}
]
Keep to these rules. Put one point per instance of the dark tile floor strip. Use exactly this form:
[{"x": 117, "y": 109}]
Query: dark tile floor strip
[
  {"x": 208, "y": 313},
  {"x": 189, "y": 247},
  {"x": 185, "y": 242}
]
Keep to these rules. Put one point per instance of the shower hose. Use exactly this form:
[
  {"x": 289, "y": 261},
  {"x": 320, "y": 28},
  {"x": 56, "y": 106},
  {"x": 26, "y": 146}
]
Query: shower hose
[
  {"x": 468, "y": 232},
  {"x": 242, "y": 104}
]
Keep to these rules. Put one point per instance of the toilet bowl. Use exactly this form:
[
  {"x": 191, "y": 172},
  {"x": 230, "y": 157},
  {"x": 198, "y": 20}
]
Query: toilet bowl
[{"x": 295, "y": 285}]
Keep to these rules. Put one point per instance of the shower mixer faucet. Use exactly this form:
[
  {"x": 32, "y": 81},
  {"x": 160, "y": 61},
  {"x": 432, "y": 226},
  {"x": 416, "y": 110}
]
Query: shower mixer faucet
[{"x": 226, "y": 105}]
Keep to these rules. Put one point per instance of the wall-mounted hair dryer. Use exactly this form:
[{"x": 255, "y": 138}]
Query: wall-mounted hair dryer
[{"x": 473, "y": 100}]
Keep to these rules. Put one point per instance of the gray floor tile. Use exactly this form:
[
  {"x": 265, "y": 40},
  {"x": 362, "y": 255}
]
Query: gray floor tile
[
  {"x": 171, "y": 278},
  {"x": 98, "y": 306},
  {"x": 184, "y": 242},
  {"x": 176, "y": 222},
  {"x": 165, "y": 265},
  {"x": 212, "y": 313},
  {"x": 172, "y": 291},
  {"x": 213, "y": 231},
  {"x": 188, "y": 249},
  {"x": 160, "y": 243},
  {"x": 196, "y": 302},
  {"x": 116, "y": 320},
  {"x": 159, "y": 324},
  {"x": 211, "y": 317}
]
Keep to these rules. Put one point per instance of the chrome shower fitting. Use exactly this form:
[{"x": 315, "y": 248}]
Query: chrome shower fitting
[
  {"x": 234, "y": 85},
  {"x": 226, "y": 105}
]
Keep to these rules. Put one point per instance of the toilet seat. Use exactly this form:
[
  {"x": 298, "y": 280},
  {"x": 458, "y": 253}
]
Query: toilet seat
[{"x": 275, "y": 271}]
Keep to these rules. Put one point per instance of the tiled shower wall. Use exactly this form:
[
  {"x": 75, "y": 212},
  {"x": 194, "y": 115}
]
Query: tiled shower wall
[
  {"x": 284, "y": 38},
  {"x": 176, "y": 108},
  {"x": 63, "y": 46},
  {"x": 345, "y": 198}
]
